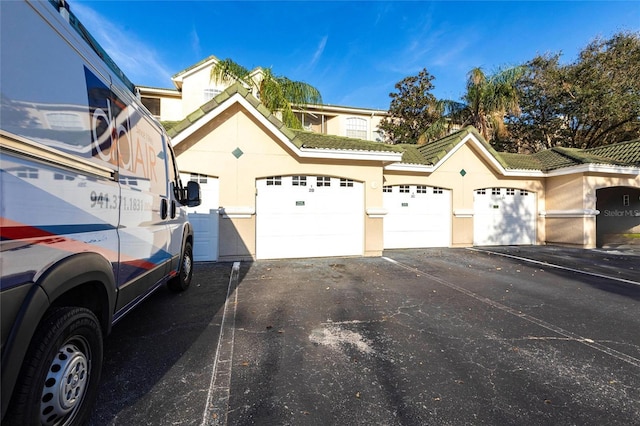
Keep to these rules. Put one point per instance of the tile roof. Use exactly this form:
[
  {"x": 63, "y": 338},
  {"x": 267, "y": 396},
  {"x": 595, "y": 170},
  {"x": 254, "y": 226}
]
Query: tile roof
[
  {"x": 196, "y": 65},
  {"x": 306, "y": 139},
  {"x": 625, "y": 152},
  {"x": 621, "y": 154}
]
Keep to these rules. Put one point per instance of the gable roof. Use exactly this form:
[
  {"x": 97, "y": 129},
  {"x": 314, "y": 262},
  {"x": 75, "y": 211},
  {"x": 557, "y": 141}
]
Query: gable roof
[
  {"x": 625, "y": 155},
  {"x": 308, "y": 144}
]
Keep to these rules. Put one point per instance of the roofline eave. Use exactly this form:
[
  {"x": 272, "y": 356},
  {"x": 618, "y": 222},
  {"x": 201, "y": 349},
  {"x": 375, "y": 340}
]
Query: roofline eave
[
  {"x": 347, "y": 154},
  {"x": 408, "y": 167},
  {"x": 595, "y": 168}
]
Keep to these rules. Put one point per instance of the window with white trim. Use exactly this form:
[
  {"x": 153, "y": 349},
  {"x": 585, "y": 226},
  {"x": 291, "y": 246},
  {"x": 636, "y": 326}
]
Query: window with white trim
[
  {"x": 274, "y": 181},
  {"x": 323, "y": 181},
  {"x": 356, "y": 128},
  {"x": 299, "y": 181},
  {"x": 421, "y": 189},
  {"x": 481, "y": 191},
  {"x": 437, "y": 190},
  {"x": 210, "y": 93},
  {"x": 495, "y": 191},
  {"x": 404, "y": 189},
  {"x": 523, "y": 193},
  {"x": 387, "y": 189},
  {"x": 511, "y": 191},
  {"x": 346, "y": 182}
]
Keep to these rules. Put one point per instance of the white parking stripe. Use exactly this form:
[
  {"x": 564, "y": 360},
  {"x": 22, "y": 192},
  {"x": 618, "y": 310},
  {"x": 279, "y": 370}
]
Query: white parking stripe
[
  {"x": 559, "y": 330},
  {"x": 215, "y": 411},
  {"x": 551, "y": 265}
]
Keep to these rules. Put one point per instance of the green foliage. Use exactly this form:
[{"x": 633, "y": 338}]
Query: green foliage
[
  {"x": 277, "y": 93},
  {"x": 489, "y": 99},
  {"x": 412, "y": 110},
  {"x": 591, "y": 102}
]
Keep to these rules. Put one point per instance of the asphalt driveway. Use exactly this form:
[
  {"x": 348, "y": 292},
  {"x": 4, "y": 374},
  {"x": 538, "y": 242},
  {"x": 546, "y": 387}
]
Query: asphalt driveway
[{"x": 432, "y": 336}]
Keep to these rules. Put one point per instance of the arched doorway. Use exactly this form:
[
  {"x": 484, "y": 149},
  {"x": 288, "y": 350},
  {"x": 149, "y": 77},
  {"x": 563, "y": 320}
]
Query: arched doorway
[{"x": 618, "y": 222}]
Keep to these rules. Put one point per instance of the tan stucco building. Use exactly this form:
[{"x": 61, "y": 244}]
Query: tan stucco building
[{"x": 270, "y": 192}]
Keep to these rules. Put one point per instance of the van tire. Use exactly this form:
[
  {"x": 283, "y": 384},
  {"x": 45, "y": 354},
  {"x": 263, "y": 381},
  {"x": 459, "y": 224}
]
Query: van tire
[
  {"x": 182, "y": 281},
  {"x": 59, "y": 379}
]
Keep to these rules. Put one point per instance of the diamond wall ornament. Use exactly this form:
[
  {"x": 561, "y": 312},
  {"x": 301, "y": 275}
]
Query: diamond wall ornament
[
  {"x": 237, "y": 153},
  {"x": 463, "y": 172}
]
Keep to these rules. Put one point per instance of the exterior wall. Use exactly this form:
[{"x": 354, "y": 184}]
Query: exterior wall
[
  {"x": 193, "y": 85},
  {"x": 479, "y": 174},
  {"x": 571, "y": 216},
  {"x": 170, "y": 109},
  {"x": 210, "y": 151},
  {"x": 568, "y": 220}
]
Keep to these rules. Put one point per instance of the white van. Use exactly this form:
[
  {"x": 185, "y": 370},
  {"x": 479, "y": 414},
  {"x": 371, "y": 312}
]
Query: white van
[{"x": 92, "y": 211}]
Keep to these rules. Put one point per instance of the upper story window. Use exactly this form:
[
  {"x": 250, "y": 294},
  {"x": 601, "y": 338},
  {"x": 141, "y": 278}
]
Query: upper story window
[
  {"x": 356, "y": 128},
  {"x": 210, "y": 94},
  {"x": 153, "y": 105}
]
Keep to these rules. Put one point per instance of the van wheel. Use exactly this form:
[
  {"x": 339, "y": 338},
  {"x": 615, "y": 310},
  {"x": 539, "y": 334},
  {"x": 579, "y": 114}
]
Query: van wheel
[
  {"x": 58, "y": 383},
  {"x": 183, "y": 280}
]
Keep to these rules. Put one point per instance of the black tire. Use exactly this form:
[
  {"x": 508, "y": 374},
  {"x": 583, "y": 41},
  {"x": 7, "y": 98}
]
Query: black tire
[
  {"x": 58, "y": 382},
  {"x": 182, "y": 281}
]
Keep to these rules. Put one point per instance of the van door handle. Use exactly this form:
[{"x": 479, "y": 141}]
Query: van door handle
[{"x": 164, "y": 208}]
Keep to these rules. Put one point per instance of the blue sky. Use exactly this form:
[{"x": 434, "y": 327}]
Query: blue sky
[{"x": 352, "y": 51}]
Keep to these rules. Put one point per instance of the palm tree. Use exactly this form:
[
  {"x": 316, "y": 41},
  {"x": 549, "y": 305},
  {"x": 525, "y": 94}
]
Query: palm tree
[
  {"x": 277, "y": 93},
  {"x": 489, "y": 99}
]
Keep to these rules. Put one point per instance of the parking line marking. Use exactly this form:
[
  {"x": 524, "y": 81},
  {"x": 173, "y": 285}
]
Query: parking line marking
[
  {"x": 215, "y": 410},
  {"x": 559, "y": 330},
  {"x": 552, "y": 265}
]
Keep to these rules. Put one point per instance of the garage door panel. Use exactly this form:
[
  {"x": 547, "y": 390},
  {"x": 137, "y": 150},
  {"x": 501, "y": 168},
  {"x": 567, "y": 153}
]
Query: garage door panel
[
  {"x": 504, "y": 216},
  {"x": 309, "y": 221},
  {"x": 205, "y": 217},
  {"x": 417, "y": 216}
]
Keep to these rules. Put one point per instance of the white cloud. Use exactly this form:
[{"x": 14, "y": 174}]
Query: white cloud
[
  {"x": 195, "y": 42},
  {"x": 318, "y": 52},
  {"x": 136, "y": 59}
]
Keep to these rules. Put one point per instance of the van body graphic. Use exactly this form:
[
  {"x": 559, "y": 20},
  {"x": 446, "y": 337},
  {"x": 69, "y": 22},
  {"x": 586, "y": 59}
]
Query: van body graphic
[{"x": 92, "y": 211}]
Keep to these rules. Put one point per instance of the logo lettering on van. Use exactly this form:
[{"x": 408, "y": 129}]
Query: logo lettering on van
[{"x": 112, "y": 124}]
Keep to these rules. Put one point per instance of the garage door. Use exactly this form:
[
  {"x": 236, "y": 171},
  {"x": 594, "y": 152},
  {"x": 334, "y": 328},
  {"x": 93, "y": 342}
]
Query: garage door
[
  {"x": 417, "y": 216},
  {"x": 309, "y": 216},
  {"x": 204, "y": 218},
  {"x": 504, "y": 216}
]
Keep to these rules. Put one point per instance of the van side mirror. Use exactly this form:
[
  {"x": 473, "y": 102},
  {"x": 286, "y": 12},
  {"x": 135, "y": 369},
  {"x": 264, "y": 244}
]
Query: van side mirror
[{"x": 193, "y": 194}]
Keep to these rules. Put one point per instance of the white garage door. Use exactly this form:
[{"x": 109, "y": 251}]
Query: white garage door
[
  {"x": 309, "y": 216},
  {"x": 417, "y": 216},
  {"x": 504, "y": 216},
  {"x": 204, "y": 218}
]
